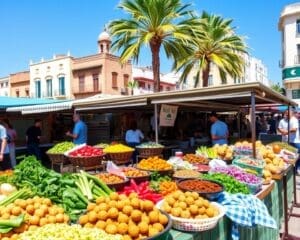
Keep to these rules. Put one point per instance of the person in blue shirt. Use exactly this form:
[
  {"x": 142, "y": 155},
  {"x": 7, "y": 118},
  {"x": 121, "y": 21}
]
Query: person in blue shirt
[
  {"x": 79, "y": 134},
  {"x": 219, "y": 130}
]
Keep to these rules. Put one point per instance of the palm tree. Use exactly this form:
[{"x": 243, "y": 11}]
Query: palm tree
[
  {"x": 216, "y": 43},
  {"x": 154, "y": 23},
  {"x": 278, "y": 88},
  {"x": 132, "y": 85}
]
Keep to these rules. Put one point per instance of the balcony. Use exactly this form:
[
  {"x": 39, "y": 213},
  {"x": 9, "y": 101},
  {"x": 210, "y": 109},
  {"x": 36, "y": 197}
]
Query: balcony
[{"x": 297, "y": 59}]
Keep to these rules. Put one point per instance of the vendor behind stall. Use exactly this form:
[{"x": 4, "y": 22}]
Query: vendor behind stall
[
  {"x": 33, "y": 137},
  {"x": 219, "y": 130},
  {"x": 133, "y": 137},
  {"x": 79, "y": 134}
]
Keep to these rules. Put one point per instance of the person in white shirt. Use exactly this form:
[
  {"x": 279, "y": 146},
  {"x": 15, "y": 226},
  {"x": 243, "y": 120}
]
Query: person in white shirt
[
  {"x": 133, "y": 137},
  {"x": 293, "y": 132}
]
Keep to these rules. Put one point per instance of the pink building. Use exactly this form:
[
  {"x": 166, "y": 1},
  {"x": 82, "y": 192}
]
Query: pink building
[{"x": 100, "y": 73}]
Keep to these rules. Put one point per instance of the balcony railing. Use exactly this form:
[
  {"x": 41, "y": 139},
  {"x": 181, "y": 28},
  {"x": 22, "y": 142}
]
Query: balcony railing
[{"x": 297, "y": 59}]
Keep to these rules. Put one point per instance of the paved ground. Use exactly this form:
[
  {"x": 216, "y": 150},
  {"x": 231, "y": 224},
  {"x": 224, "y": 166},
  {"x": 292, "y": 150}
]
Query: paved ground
[{"x": 294, "y": 223}]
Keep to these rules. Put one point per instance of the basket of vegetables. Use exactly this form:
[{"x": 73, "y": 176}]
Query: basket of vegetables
[
  {"x": 137, "y": 175},
  {"x": 56, "y": 153},
  {"x": 149, "y": 149},
  {"x": 119, "y": 153},
  {"x": 113, "y": 181},
  {"x": 155, "y": 164},
  {"x": 86, "y": 156},
  {"x": 193, "y": 213}
]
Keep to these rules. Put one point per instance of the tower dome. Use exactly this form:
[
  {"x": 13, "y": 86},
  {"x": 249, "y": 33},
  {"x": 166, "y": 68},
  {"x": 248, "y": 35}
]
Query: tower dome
[{"x": 104, "y": 36}]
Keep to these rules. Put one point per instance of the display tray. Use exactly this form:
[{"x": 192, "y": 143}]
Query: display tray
[
  {"x": 86, "y": 161},
  {"x": 120, "y": 158}
]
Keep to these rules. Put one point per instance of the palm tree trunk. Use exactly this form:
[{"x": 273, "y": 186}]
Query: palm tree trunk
[
  {"x": 155, "y": 46},
  {"x": 205, "y": 75}
]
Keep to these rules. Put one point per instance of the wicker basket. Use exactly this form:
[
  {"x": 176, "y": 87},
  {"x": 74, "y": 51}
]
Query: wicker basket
[
  {"x": 86, "y": 161},
  {"x": 58, "y": 158},
  {"x": 120, "y": 158},
  {"x": 149, "y": 152},
  {"x": 196, "y": 225}
]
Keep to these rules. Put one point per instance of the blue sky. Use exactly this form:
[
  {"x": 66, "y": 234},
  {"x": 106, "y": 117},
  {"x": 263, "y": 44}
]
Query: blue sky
[{"x": 32, "y": 29}]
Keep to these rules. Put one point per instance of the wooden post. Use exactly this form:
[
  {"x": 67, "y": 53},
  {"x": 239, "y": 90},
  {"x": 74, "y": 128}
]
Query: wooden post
[
  {"x": 155, "y": 123},
  {"x": 288, "y": 129},
  {"x": 253, "y": 124}
]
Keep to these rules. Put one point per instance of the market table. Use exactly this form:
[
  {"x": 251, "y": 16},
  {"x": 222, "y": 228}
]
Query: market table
[{"x": 273, "y": 197}]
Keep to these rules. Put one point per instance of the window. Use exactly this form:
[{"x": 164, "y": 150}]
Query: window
[
  {"x": 81, "y": 83},
  {"x": 17, "y": 93},
  {"x": 95, "y": 82},
  {"x": 210, "y": 80},
  {"x": 27, "y": 93},
  {"x": 168, "y": 88},
  {"x": 224, "y": 81},
  {"x": 61, "y": 86},
  {"x": 38, "y": 88},
  {"x": 114, "y": 83},
  {"x": 298, "y": 26},
  {"x": 2, "y": 85},
  {"x": 296, "y": 94},
  {"x": 126, "y": 78},
  {"x": 49, "y": 87},
  {"x": 6, "y": 84}
]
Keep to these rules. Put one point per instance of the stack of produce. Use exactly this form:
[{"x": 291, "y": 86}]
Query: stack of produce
[
  {"x": 188, "y": 205},
  {"x": 102, "y": 145},
  {"x": 224, "y": 152},
  {"x": 253, "y": 182},
  {"x": 61, "y": 148},
  {"x": 183, "y": 174},
  {"x": 128, "y": 216},
  {"x": 37, "y": 212},
  {"x": 66, "y": 232},
  {"x": 7, "y": 172},
  {"x": 86, "y": 151},
  {"x": 5, "y": 190},
  {"x": 154, "y": 164},
  {"x": 195, "y": 159},
  {"x": 245, "y": 147},
  {"x": 110, "y": 178},
  {"x": 143, "y": 190},
  {"x": 117, "y": 148},
  {"x": 254, "y": 166},
  {"x": 131, "y": 172},
  {"x": 274, "y": 163},
  {"x": 230, "y": 184},
  {"x": 162, "y": 184},
  {"x": 278, "y": 146},
  {"x": 150, "y": 145},
  {"x": 207, "y": 152},
  {"x": 70, "y": 191}
]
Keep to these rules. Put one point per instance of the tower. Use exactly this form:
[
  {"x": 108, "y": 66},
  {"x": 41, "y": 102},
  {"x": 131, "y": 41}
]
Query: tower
[{"x": 104, "y": 42}]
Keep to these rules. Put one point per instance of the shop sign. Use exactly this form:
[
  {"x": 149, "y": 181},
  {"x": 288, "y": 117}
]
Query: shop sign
[
  {"x": 291, "y": 72},
  {"x": 167, "y": 115}
]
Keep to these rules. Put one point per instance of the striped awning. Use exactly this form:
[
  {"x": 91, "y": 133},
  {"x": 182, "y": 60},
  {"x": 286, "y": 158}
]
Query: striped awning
[{"x": 42, "y": 108}]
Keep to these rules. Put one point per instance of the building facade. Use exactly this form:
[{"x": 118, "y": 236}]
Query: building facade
[
  {"x": 19, "y": 84},
  {"x": 100, "y": 73},
  {"x": 254, "y": 71},
  {"x": 4, "y": 87},
  {"x": 51, "y": 78},
  {"x": 289, "y": 25},
  {"x": 144, "y": 78}
]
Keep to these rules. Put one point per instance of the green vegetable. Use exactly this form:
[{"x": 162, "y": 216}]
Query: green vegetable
[
  {"x": 21, "y": 194},
  {"x": 61, "y": 148},
  {"x": 99, "y": 183},
  {"x": 156, "y": 179},
  {"x": 8, "y": 224},
  {"x": 83, "y": 184},
  {"x": 230, "y": 184}
]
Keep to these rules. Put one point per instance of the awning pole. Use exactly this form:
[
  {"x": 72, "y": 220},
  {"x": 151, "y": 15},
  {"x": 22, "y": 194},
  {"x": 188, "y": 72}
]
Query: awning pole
[
  {"x": 288, "y": 128},
  {"x": 155, "y": 123},
  {"x": 253, "y": 124}
]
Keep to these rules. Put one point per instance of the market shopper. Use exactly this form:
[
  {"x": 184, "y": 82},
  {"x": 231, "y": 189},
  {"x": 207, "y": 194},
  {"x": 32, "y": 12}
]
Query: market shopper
[
  {"x": 33, "y": 137},
  {"x": 79, "y": 134},
  {"x": 133, "y": 137},
  {"x": 219, "y": 130},
  {"x": 292, "y": 133},
  {"x": 11, "y": 138},
  {"x": 4, "y": 150}
]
